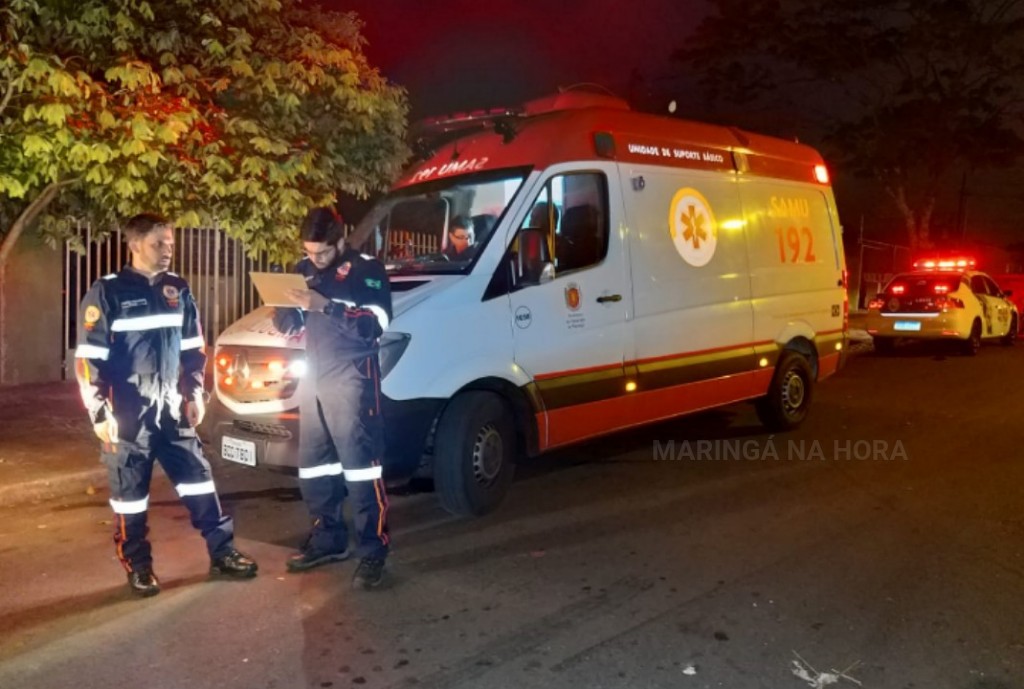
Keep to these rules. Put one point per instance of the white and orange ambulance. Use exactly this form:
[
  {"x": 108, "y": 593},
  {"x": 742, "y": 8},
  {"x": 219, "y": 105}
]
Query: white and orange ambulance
[{"x": 623, "y": 268}]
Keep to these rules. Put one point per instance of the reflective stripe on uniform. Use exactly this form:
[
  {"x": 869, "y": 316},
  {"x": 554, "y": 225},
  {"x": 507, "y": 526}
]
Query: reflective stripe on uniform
[
  {"x": 163, "y": 320},
  {"x": 381, "y": 314},
  {"x": 368, "y": 474},
  {"x": 129, "y": 506},
  {"x": 322, "y": 470},
  {"x": 88, "y": 351},
  {"x": 189, "y": 489},
  {"x": 196, "y": 342}
]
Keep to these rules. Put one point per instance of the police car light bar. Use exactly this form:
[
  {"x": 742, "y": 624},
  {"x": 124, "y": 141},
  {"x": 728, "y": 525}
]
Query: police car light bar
[{"x": 956, "y": 263}]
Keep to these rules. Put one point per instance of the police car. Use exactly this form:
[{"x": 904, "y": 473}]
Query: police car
[{"x": 942, "y": 299}]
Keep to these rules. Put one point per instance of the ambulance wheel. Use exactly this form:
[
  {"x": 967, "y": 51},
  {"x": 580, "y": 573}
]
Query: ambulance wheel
[
  {"x": 1010, "y": 338},
  {"x": 789, "y": 395},
  {"x": 474, "y": 454}
]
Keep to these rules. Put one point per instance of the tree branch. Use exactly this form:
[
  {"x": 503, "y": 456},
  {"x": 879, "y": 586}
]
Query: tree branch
[
  {"x": 30, "y": 213},
  {"x": 7, "y": 97}
]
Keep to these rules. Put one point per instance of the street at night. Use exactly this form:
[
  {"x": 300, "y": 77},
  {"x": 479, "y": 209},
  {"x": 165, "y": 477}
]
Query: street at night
[{"x": 700, "y": 552}]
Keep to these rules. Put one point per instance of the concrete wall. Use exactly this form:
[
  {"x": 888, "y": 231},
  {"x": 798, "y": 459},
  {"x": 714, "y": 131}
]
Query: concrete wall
[{"x": 31, "y": 346}]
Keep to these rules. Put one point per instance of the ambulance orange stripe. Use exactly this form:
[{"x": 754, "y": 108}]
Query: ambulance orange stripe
[
  {"x": 637, "y": 362},
  {"x": 571, "y": 424},
  {"x": 666, "y": 357},
  {"x": 827, "y": 365},
  {"x": 699, "y": 352},
  {"x": 576, "y": 371}
]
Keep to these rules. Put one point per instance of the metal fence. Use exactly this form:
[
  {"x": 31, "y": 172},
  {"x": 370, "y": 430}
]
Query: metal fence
[{"x": 215, "y": 266}]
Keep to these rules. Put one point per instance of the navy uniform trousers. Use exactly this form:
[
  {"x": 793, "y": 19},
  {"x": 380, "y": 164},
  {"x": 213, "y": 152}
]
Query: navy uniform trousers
[
  {"x": 341, "y": 441},
  {"x": 129, "y": 470}
]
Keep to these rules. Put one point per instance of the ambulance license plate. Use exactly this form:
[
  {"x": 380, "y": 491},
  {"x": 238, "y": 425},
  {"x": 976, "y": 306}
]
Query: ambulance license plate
[
  {"x": 241, "y": 451},
  {"x": 907, "y": 325}
]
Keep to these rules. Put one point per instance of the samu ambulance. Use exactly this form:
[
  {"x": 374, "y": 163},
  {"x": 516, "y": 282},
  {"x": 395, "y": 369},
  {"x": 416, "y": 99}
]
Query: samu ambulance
[{"x": 624, "y": 268}]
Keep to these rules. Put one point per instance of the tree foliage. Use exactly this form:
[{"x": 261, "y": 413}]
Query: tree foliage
[
  {"x": 243, "y": 113},
  {"x": 905, "y": 91}
]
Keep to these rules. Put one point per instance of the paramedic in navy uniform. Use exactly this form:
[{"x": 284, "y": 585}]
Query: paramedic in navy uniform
[
  {"x": 341, "y": 433},
  {"x": 139, "y": 363}
]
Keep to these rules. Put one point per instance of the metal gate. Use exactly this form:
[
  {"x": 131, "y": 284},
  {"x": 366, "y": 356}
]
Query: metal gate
[{"x": 216, "y": 267}]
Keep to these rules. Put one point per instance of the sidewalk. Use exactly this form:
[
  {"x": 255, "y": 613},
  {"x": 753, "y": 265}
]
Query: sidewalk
[{"x": 47, "y": 447}]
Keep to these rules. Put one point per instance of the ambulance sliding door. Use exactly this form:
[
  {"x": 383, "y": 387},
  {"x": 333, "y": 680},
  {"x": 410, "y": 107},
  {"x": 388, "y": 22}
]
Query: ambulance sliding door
[
  {"x": 569, "y": 324},
  {"x": 691, "y": 290}
]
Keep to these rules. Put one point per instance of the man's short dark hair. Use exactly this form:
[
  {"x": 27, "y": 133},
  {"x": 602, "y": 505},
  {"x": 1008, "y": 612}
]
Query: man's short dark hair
[
  {"x": 322, "y": 225},
  {"x": 140, "y": 225},
  {"x": 460, "y": 221}
]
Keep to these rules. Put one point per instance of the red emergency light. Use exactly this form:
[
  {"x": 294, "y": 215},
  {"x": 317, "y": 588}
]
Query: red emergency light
[{"x": 951, "y": 263}]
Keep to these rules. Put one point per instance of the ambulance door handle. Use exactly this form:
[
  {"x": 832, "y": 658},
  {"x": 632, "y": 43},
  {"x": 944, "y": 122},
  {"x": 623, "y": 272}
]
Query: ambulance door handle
[{"x": 608, "y": 298}]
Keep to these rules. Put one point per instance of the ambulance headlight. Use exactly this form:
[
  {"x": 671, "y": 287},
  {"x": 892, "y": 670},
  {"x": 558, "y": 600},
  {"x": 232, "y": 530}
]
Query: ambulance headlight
[{"x": 392, "y": 347}]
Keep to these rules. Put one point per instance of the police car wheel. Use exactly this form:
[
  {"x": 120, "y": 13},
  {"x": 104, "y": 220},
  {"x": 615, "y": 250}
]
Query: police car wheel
[
  {"x": 789, "y": 395},
  {"x": 973, "y": 342},
  {"x": 1010, "y": 338},
  {"x": 474, "y": 454}
]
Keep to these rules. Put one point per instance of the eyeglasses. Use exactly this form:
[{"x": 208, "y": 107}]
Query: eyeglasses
[{"x": 461, "y": 237}]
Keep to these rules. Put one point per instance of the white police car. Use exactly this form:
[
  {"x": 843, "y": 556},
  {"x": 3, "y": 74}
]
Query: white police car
[{"x": 942, "y": 299}]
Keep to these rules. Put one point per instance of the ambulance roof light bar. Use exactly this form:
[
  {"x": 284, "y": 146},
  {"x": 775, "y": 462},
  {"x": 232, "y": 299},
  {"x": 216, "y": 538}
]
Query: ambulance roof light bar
[
  {"x": 429, "y": 134},
  {"x": 951, "y": 263}
]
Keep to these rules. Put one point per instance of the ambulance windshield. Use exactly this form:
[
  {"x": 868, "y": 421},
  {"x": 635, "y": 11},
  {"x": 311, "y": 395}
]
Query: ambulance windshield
[{"x": 441, "y": 226}]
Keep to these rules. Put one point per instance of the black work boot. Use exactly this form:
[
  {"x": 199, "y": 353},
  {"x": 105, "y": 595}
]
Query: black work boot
[
  {"x": 235, "y": 565},
  {"x": 308, "y": 558},
  {"x": 143, "y": 583},
  {"x": 369, "y": 574}
]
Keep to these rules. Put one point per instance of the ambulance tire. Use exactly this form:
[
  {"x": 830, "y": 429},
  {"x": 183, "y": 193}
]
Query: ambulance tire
[
  {"x": 474, "y": 454},
  {"x": 789, "y": 395}
]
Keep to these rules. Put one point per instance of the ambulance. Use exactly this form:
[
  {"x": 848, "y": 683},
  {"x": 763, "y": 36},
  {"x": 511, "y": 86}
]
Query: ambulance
[{"x": 623, "y": 268}]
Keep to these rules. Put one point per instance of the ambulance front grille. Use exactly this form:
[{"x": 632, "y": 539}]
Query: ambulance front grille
[{"x": 263, "y": 429}]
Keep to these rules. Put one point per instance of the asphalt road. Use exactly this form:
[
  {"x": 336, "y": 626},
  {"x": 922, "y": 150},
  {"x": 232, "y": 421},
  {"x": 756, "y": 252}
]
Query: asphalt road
[{"x": 885, "y": 538}]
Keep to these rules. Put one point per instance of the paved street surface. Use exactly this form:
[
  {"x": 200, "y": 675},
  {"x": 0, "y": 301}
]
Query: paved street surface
[{"x": 894, "y": 550}]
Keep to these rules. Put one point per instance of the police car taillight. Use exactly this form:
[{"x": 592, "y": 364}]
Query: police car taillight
[
  {"x": 876, "y": 303},
  {"x": 946, "y": 302}
]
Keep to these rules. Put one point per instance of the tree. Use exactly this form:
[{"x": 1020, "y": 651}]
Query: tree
[
  {"x": 904, "y": 91},
  {"x": 243, "y": 113}
]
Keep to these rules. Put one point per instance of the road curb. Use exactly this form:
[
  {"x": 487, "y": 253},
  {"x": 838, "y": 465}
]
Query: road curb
[{"x": 59, "y": 485}]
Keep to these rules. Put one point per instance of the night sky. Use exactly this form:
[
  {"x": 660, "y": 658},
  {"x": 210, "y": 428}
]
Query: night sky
[
  {"x": 456, "y": 55},
  {"x": 459, "y": 55}
]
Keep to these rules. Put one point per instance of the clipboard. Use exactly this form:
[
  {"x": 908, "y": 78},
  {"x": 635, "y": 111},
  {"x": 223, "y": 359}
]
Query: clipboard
[{"x": 272, "y": 287}]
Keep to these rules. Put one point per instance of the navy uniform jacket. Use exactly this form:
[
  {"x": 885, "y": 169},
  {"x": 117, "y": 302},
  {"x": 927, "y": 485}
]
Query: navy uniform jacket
[
  {"x": 358, "y": 288},
  {"x": 140, "y": 349}
]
